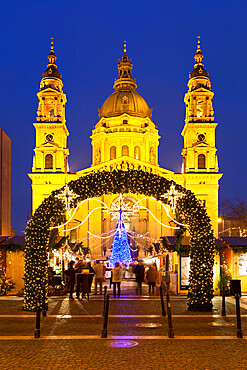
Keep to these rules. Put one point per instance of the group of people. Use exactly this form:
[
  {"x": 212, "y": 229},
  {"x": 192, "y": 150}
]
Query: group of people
[
  {"x": 82, "y": 274},
  {"x": 142, "y": 275}
]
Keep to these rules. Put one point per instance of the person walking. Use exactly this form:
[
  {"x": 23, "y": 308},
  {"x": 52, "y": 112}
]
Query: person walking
[
  {"x": 139, "y": 272},
  {"x": 98, "y": 277},
  {"x": 151, "y": 277},
  {"x": 71, "y": 275},
  {"x": 124, "y": 268},
  {"x": 116, "y": 278},
  {"x": 78, "y": 269}
]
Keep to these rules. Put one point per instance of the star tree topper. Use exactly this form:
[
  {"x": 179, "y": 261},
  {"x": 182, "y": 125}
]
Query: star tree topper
[{"x": 67, "y": 196}]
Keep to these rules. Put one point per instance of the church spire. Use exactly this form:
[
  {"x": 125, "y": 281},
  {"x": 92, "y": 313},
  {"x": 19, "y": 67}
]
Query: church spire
[
  {"x": 125, "y": 80},
  {"x": 199, "y": 70},
  {"x": 198, "y": 56},
  {"x": 125, "y": 47},
  {"x": 51, "y": 71},
  {"x": 52, "y": 56}
]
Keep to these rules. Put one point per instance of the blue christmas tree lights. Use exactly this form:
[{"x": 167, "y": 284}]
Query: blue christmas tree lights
[{"x": 120, "y": 249}]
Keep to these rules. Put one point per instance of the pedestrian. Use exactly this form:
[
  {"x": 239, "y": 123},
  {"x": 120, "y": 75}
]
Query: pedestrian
[
  {"x": 71, "y": 275},
  {"x": 139, "y": 272},
  {"x": 88, "y": 266},
  {"x": 99, "y": 274},
  {"x": 131, "y": 267},
  {"x": 116, "y": 278},
  {"x": 123, "y": 268},
  {"x": 151, "y": 277},
  {"x": 104, "y": 271},
  {"x": 78, "y": 269}
]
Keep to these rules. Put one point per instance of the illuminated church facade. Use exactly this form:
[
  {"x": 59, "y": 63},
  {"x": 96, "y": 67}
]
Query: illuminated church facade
[{"x": 125, "y": 137}]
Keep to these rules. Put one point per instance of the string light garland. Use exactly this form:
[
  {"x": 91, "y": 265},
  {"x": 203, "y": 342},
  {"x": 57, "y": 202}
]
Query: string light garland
[
  {"x": 166, "y": 208},
  {"x": 73, "y": 213},
  {"x": 51, "y": 212}
]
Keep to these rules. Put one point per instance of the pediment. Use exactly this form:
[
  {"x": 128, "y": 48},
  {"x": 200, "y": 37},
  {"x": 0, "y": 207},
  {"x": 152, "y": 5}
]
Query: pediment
[
  {"x": 125, "y": 163},
  {"x": 200, "y": 144},
  {"x": 50, "y": 143}
]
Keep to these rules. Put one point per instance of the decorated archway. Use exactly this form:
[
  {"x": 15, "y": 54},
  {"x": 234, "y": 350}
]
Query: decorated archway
[{"x": 189, "y": 209}]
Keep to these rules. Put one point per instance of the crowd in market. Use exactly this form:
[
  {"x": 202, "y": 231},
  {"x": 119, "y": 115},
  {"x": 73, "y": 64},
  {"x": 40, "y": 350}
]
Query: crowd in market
[{"x": 82, "y": 274}]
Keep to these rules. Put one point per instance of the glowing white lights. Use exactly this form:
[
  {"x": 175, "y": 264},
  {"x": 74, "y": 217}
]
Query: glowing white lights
[
  {"x": 67, "y": 196},
  {"x": 172, "y": 197},
  {"x": 121, "y": 203}
]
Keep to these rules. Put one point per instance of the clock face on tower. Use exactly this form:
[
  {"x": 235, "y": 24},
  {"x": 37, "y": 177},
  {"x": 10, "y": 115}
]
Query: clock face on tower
[
  {"x": 49, "y": 137},
  {"x": 201, "y": 137}
]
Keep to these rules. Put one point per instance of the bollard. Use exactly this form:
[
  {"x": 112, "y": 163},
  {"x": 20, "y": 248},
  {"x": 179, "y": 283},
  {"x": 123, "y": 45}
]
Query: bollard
[
  {"x": 63, "y": 273},
  {"x": 239, "y": 329},
  {"x": 223, "y": 312},
  {"x": 37, "y": 330},
  {"x": 43, "y": 302},
  {"x": 162, "y": 302},
  {"x": 104, "y": 331},
  {"x": 169, "y": 316},
  {"x": 105, "y": 293}
]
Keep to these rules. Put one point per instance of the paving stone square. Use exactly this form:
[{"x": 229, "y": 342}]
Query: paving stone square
[{"x": 71, "y": 334}]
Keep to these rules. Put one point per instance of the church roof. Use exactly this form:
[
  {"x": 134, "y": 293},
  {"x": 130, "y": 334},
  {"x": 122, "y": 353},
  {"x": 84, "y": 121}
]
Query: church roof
[
  {"x": 125, "y": 99},
  {"x": 51, "y": 71},
  {"x": 199, "y": 69}
]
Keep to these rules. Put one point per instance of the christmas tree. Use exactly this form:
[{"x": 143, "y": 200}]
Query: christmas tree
[
  {"x": 5, "y": 284},
  {"x": 120, "y": 249}
]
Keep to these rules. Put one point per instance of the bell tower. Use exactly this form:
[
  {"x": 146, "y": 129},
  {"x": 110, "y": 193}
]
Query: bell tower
[
  {"x": 199, "y": 152},
  {"x": 200, "y": 165},
  {"x": 50, "y": 161}
]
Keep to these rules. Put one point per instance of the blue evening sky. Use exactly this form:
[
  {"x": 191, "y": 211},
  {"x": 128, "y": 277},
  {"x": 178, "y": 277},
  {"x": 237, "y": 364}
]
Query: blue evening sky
[{"x": 88, "y": 39}]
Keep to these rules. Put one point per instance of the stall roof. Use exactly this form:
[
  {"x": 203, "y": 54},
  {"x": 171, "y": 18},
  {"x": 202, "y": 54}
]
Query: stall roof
[
  {"x": 3, "y": 238},
  {"x": 17, "y": 239},
  {"x": 234, "y": 241}
]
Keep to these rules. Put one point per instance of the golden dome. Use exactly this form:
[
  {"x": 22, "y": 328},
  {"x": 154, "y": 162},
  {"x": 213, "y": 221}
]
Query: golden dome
[
  {"x": 122, "y": 101},
  {"x": 125, "y": 99}
]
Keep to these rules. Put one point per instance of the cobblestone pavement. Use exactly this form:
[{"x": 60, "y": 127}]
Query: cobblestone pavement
[
  {"x": 148, "y": 354},
  {"x": 71, "y": 335}
]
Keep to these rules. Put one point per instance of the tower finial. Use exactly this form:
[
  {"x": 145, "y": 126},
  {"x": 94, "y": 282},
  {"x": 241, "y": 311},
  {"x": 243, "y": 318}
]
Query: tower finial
[
  {"x": 125, "y": 47},
  {"x": 52, "y": 56},
  {"x": 198, "y": 43},
  {"x": 198, "y": 56}
]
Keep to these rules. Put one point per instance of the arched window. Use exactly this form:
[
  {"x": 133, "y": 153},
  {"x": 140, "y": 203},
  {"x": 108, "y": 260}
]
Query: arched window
[
  {"x": 198, "y": 112},
  {"x": 137, "y": 152},
  {"x": 152, "y": 158},
  {"x": 125, "y": 150},
  {"x": 112, "y": 152},
  {"x": 201, "y": 161},
  {"x": 199, "y": 108},
  {"x": 52, "y": 113},
  {"x": 49, "y": 161}
]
